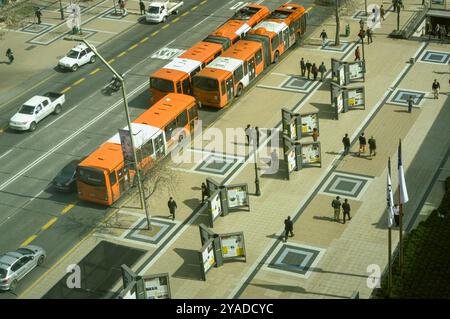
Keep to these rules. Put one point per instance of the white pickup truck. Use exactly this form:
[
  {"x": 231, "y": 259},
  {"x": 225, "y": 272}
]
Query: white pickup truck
[
  {"x": 35, "y": 110},
  {"x": 158, "y": 11}
]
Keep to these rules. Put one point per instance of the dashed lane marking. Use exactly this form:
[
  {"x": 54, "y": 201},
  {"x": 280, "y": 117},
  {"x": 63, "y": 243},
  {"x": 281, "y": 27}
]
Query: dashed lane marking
[
  {"x": 121, "y": 54},
  {"x": 68, "y": 208},
  {"x": 185, "y": 14},
  {"x": 143, "y": 40},
  {"x": 29, "y": 240},
  {"x": 175, "y": 20},
  {"x": 66, "y": 90},
  {"x": 155, "y": 33},
  {"x": 111, "y": 61},
  {"x": 134, "y": 46},
  {"x": 95, "y": 71},
  {"x": 78, "y": 82},
  {"x": 49, "y": 223},
  {"x": 194, "y": 8},
  {"x": 166, "y": 26}
]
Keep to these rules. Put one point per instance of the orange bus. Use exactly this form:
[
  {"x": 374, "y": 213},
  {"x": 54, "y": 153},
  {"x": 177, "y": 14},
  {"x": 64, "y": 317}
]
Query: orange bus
[
  {"x": 176, "y": 75},
  {"x": 279, "y": 31},
  {"x": 103, "y": 177},
  {"x": 228, "y": 75}
]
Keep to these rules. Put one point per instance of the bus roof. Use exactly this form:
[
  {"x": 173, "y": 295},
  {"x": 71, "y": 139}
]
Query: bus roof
[
  {"x": 225, "y": 63},
  {"x": 165, "y": 110},
  {"x": 107, "y": 157},
  {"x": 285, "y": 11},
  {"x": 211, "y": 73},
  {"x": 271, "y": 26},
  {"x": 141, "y": 134},
  {"x": 202, "y": 51},
  {"x": 251, "y": 13},
  {"x": 169, "y": 74},
  {"x": 231, "y": 29},
  {"x": 241, "y": 50},
  {"x": 183, "y": 65}
]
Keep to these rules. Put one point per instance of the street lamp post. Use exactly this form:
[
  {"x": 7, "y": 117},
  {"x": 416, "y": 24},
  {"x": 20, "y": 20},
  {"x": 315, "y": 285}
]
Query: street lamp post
[
  {"x": 61, "y": 10},
  {"x": 365, "y": 8},
  {"x": 362, "y": 35},
  {"x": 127, "y": 113},
  {"x": 258, "y": 190}
]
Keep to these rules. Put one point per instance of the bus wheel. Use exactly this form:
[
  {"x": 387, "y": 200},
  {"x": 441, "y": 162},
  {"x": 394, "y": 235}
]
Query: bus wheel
[
  {"x": 276, "y": 57},
  {"x": 239, "y": 90}
]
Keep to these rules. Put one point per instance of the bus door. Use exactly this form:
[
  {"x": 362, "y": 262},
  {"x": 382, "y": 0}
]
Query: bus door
[
  {"x": 230, "y": 88},
  {"x": 286, "y": 38},
  {"x": 291, "y": 34},
  {"x": 251, "y": 69},
  {"x": 303, "y": 23},
  {"x": 160, "y": 146},
  {"x": 113, "y": 185},
  {"x": 124, "y": 181}
]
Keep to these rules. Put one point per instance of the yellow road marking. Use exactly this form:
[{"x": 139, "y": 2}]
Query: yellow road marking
[
  {"x": 155, "y": 33},
  {"x": 143, "y": 40},
  {"x": 78, "y": 82},
  {"x": 175, "y": 20},
  {"x": 111, "y": 61},
  {"x": 194, "y": 8},
  {"x": 68, "y": 208},
  {"x": 310, "y": 8},
  {"x": 66, "y": 89},
  {"x": 134, "y": 46},
  {"x": 203, "y": 2},
  {"x": 50, "y": 222},
  {"x": 122, "y": 54},
  {"x": 95, "y": 71},
  {"x": 185, "y": 14},
  {"x": 166, "y": 26},
  {"x": 28, "y": 241}
]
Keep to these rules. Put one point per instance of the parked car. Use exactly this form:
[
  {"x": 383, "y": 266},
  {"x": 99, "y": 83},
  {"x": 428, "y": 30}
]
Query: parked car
[
  {"x": 159, "y": 11},
  {"x": 78, "y": 56},
  {"x": 66, "y": 180},
  {"x": 16, "y": 264},
  {"x": 35, "y": 110}
]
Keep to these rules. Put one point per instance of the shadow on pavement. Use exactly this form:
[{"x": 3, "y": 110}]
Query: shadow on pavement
[{"x": 191, "y": 267}]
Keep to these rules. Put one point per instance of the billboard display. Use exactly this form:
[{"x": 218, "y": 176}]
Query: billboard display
[
  {"x": 207, "y": 256},
  {"x": 215, "y": 206},
  {"x": 127, "y": 149},
  {"x": 157, "y": 286},
  {"x": 309, "y": 122},
  {"x": 311, "y": 153},
  {"x": 355, "y": 70},
  {"x": 232, "y": 245},
  {"x": 237, "y": 196},
  {"x": 355, "y": 97}
]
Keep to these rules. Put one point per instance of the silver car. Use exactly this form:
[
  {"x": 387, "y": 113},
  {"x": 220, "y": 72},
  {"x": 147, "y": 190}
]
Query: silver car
[{"x": 16, "y": 264}]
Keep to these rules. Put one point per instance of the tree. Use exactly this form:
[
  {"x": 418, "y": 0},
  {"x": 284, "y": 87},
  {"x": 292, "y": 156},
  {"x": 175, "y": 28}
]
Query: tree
[
  {"x": 338, "y": 26},
  {"x": 398, "y": 5}
]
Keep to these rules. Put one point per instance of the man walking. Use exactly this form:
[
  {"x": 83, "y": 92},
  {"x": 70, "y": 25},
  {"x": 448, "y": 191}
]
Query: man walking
[
  {"x": 205, "y": 192},
  {"x": 324, "y": 37},
  {"x": 369, "y": 36},
  {"x": 336, "y": 204},
  {"x": 308, "y": 67},
  {"x": 288, "y": 228},
  {"x": 346, "y": 142},
  {"x": 248, "y": 133},
  {"x": 322, "y": 70},
  {"x": 142, "y": 7},
  {"x": 10, "y": 55},
  {"x": 362, "y": 144},
  {"x": 303, "y": 67},
  {"x": 346, "y": 209},
  {"x": 257, "y": 136},
  {"x": 372, "y": 146},
  {"x": 382, "y": 12},
  {"x": 314, "y": 71},
  {"x": 38, "y": 15},
  {"x": 357, "y": 54},
  {"x": 436, "y": 86},
  {"x": 410, "y": 103},
  {"x": 172, "y": 207}
]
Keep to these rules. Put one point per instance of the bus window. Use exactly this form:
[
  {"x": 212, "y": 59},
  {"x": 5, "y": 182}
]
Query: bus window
[
  {"x": 238, "y": 74},
  {"x": 147, "y": 148},
  {"x": 178, "y": 87},
  {"x": 169, "y": 129},
  {"x": 182, "y": 119},
  {"x": 186, "y": 86},
  {"x": 91, "y": 176},
  {"x": 161, "y": 85},
  {"x": 205, "y": 83},
  {"x": 217, "y": 54},
  {"x": 193, "y": 113},
  {"x": 258, "y": 57},
  {"x": 296, "y": 24},
  {"x": 236, "y": 40},
  {"x": 222, "y": 86},
  {"x": 245, "y": 68},
  {"x": 196, "y": 71},
  {"x": 112, "y": 178},
  {"x": 275, "y": 42}
]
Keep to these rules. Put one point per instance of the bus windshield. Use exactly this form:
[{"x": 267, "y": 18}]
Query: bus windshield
[
  {"x": 91, "y": 176},
  {"x": 161, "y": 85},
  {"x": 205, "y": 83}
]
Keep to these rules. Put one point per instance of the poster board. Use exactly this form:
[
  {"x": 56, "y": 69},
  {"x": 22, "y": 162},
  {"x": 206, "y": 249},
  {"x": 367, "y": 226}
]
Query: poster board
[
  {"x": 291, "y": 156},
  {"x": 207, "y": 258},
  {"x": 127, "y": 148},
  {"x": 311, "y": 154},
  {"x": 309, "y": 121},
  {"x": 237, "y": 196},
  {"x": 337, "y": 99},
  {"x": 233, "y": 246},
  {"x": 338, "y": 72},
  {"x": 212, "y": 185},
  {"x": 291, "y": 124},
  {"x": 205, "y": 233},
  {"x": 355, "y": 71},
  {"x": 215, "y": 206},
  {"x": 157, "y": 286},
  {"x": 355, "y": 98}
]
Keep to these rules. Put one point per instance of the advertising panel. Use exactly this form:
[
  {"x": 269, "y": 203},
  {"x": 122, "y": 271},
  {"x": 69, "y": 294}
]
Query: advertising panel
[
  {"x": 355, "y": 97},
  {"x": 157, "y": 286},
  {"x": 237, "y": 196},
  {"x": 355, "y": 70},
  {"x": 127, "y": 149},
  {"x": 232, "y": 245},
  {"x": 291, "y": 160},
  {"x": 309, "y": 122},
  {"x": 215, "y": 206},
  {"x": 337, "y": 72},
  {"x": 311, "y": 153},
  {"x": 337, "y": 99},
  {"x": 212, "y": 185},
  {"x": 208, "y": 258}
]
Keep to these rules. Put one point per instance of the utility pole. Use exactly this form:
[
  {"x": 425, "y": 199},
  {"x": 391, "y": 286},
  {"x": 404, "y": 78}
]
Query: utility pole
[
  {"x": 338, "y": 25},
  {"x": 258, "y": 190},
  {"x": 61, "y": 11}
]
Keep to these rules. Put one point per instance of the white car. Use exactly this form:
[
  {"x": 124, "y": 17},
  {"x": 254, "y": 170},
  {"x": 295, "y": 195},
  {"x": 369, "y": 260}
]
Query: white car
[
  {"x": 35, "y": 110},
  {"x": 78, "y": 56}
]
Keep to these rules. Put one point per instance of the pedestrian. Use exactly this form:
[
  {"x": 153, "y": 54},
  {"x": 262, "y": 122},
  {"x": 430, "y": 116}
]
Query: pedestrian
[
  {"x": 308, "y": 67},
  {"x": 369, "y": 36},
  {"x": 396, "y": 210},
  {"x": 10, "y": 55},
  {"x": 436, "y": 87},
  {"x": 362, "y": 35},
  {"x": 361, "y": 24},
  {"x": 372, "y": 146},
  {"x": 443, "y": 33},
  {"x": 336, "y": 204},
  {"x": 315, "y": 134},
  {"x": 362, "y": 144},
  {"x": 346, "y": 209},
  {"x": 382, "y": 12},
  {"x": 288, "y": 228},
  {"x": 410, "y": 104},
  {"x": 357, "y": 54},
  {"x": 205, "y": 192},
  {"x": 314, "y": 71},
  {"x": 38, "y": 14},
  {"x": 257, "y": 136},
  {"x": 122, "y": 7},
  {"x": 142, "y": 7},
  {"x": 322, "y": 70},
  {"x": 346, "y": 142},
  {"x": 428, "y": 29},
  {"x": 172, "y": 204},
  {"x": 324, "y": 37},
  {"x": 248, "y": 133},
  {"x": 303, "y": 67},
  {"x": 437, "y": 31}
]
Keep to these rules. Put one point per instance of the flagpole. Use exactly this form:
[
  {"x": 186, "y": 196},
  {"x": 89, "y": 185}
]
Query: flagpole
[
  {"x": 389, "y": 243},
  {"x": 403, "y": 198},
  {"x": 400, "y": 224}
]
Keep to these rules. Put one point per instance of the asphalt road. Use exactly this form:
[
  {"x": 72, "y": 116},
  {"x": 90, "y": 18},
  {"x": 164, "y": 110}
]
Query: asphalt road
[{"x": 29, "y": 161}]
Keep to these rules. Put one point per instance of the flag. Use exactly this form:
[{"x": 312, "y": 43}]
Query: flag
[
  {"x": 401, "y": 177},
  {"x": 390, "y": 197}
]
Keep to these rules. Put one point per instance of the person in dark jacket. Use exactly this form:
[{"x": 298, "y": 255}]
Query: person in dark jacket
[
  {"x": 314, "y": 71},
  {"x": 436, "y": 86},
  {"x": 142, "y": 7},
  {"x": 308, "y": 67},
  {"x": 10, "y": 55},
  {"x": 172, "y": 204},
  {"x": 346, "y": 209},
  {"x": 257, "y": 136},
  {"x": 322, "y": 70},
  {"x": 372, "y": 146},
  {"x": 38, "y": 14},
  {"x": 205, "y": 192},
  {"x": 288, "y": 228},
  {"x": 410, "y": 103},
  {"x": 336, "y": 204},
  {"x": 362, "y": 144},
  {"x": 346, "y": 142},
  {"x": 324, "y": 37},
  {"x": 303, "y": 67}
]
